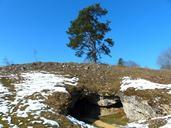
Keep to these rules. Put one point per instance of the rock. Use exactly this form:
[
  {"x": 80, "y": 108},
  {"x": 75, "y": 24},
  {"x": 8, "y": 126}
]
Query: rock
[
  {"x": 136, "y": 109},
  {"x": 107, "y": 101}
]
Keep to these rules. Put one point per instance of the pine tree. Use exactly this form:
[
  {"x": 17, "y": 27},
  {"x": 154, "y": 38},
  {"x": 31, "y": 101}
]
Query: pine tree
[{"x": 87, "y": 34}]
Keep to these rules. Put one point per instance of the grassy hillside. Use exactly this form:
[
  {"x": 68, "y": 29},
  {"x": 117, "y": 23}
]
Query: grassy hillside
[{"x": 101, "y": 79}]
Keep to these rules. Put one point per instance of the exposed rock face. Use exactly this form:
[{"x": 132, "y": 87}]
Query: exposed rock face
[{"x": 137, "y": 109}]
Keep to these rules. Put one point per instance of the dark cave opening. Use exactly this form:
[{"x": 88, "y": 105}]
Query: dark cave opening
[{"x": 85, "y": 110}]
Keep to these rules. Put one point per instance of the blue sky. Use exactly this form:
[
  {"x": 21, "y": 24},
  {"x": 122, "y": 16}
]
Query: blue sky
[{"x": 141, "y": 29}]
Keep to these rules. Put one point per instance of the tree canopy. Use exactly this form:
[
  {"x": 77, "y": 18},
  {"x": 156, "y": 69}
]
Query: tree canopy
[{"x": 87, "y": 34}]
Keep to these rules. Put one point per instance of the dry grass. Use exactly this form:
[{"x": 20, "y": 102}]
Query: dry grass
[
  {"x": 103, "y": 79},
  {"x": 96, "y": 77}
]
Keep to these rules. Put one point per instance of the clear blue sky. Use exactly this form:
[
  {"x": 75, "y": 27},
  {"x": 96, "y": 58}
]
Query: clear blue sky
[{"x": 141, "y": 29}]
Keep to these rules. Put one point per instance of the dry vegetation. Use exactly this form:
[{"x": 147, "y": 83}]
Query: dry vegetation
[{"x": 100, "y": 78}]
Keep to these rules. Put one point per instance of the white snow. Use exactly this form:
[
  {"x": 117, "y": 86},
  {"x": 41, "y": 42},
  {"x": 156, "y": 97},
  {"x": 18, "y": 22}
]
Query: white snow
[
  {"x": 169, "y": 92},
  {"x": 37, "y": 82},
  {"x": 136, "y": 125},
  {"x": 168, "y": 125},
  {"x": 30, "y": 106},
  {"x": 81, "y": 123},
  {"x": 4, "y": 104},
  {"x": 141, "y": 84},
  {"x": 51, "y": 122},
  {"x": 1, "y": 126},
  {"x": 33, "y": 84}
]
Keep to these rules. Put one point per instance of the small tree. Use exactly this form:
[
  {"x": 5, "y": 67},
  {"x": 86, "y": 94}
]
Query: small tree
[
  {"x": 164, "y": 59},
  {"x": 87, "y": 34},
  {"x": 120, "y": 62}
]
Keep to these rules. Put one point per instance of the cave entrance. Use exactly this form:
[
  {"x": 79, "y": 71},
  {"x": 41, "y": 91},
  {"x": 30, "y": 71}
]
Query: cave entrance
[
  {"x": 85, "y": 109},
  {"x": 88, "y": 109}
]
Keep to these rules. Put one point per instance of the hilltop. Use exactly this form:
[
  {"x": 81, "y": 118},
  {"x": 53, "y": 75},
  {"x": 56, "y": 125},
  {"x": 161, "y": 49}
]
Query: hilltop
[{"x": 60, "y": 94}]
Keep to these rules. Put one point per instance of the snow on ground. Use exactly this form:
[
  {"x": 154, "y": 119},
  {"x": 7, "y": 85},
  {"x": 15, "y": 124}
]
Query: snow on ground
[
  {"x": 51, "y": 122},
  {"x": 44, "y": 84},
  {"x": 136, "y": 125},
  {"x": 4, "y": 104},
  {"x": 81, "y": 123},
  {"x": 33, "y": 83},
  {"x": 168, "y": 119},
  {"x": 169, "y": 92},
  {"x": 141, "y": 84},
  {"x": 38, "y": 81}
]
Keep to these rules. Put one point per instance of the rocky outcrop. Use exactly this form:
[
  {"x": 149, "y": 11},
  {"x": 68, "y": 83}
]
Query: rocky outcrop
[{"x": 137, "y": 109}]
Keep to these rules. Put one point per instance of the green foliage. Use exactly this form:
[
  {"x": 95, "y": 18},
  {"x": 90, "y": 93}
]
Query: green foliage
[
  {"x": 87, "y": 34},
  {"x": 120, "y": 62}
]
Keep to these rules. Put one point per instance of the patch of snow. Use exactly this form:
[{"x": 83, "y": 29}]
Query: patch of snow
[
  {"x": 51, "y": 122},
  {"x": 169, "y": 92},
  {"x": 81, "y": 123},
  {"x": 37, "y": 82},
  {"x": 37, "y": 121},
  {"x": 15, "y": 126},
  {"x": 136, "y": 125},
  {"x": 71, "y": 81},
  {"x": 4, "y": 104},
  {"x": 168, "y": 125},
  {"x": 3, "y": 90},
  {"x": 1, "y": 126},
  {"x": 30, "y": 106},
  {"x": 163, "y": 117},
  {"x": 41, "y": 83},
  {"x": 141, "y": 84},
  {"x": 29, "y": 126}
]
